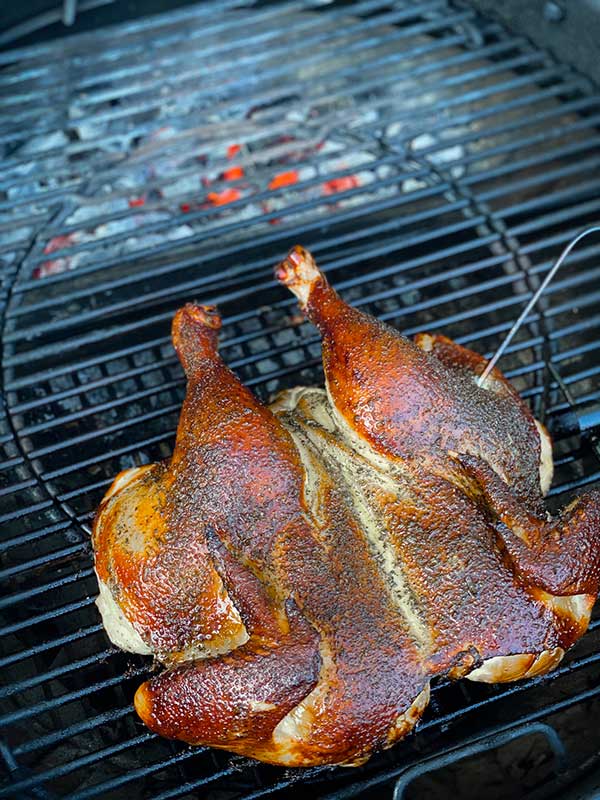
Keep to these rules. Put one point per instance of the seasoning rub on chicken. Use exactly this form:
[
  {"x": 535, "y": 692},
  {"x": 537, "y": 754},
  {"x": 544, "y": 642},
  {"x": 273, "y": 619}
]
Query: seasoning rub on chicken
[{"x": 304, "y": 570}]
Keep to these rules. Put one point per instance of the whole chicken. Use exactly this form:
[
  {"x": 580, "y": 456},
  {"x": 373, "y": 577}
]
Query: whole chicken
[{"x": 304, "y": 570}]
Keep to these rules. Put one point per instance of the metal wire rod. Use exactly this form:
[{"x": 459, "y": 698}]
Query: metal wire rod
[{"x": 525, "y": 313}]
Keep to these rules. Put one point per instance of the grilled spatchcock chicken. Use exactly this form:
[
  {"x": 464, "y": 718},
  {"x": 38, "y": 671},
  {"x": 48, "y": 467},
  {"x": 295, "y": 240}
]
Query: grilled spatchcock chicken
[{"x": 304, "y": 570}]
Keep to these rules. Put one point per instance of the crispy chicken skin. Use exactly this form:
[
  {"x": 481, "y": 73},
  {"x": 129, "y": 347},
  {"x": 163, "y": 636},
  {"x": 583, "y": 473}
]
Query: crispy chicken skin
[
  {"x": 406, "y": 398},
  {"x": 304, "y": 570}
]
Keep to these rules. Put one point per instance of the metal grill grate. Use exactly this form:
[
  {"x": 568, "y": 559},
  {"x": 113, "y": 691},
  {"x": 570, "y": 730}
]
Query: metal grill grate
[{"x": 434, "y": 163}]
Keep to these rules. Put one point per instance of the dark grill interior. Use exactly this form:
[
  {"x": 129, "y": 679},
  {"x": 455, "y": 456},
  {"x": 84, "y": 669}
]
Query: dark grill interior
[{"x": 435, "y": 164}]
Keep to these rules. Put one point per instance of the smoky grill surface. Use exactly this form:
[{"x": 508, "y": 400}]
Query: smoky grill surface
[{"x": 433, "y": 162}]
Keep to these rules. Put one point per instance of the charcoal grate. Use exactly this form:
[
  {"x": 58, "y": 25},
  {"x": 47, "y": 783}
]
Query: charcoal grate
[{"x": 434, "y": 163}]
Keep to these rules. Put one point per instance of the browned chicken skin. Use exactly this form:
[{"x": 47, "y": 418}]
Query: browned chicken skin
[
  {"x": 305, "y": 570},
  {"x": 403, "y": 401}
]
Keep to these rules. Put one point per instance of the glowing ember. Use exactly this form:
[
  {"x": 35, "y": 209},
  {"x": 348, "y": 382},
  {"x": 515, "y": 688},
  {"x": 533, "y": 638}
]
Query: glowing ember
[
  {"x": 56, "y": 265},
  {"x": 284, "y": 179},
  {"x": 58, "y": 242},
  {"x": 342, "y": 184},
  {"x": 233, "y": 174},
  {"x": 224, "y": 197}
]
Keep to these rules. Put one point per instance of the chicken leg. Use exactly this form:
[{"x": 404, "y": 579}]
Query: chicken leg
[
  {"x": 402, "y": 399},
  {"x": 162, "y": 544},
  {"x": 235, "y": 701}
]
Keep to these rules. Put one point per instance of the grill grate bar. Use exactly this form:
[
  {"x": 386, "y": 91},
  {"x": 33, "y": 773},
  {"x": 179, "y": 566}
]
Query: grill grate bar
[
  {"x": 537, "y": 160},
  {"x": 266, "y": 265},
  {"x": 565, "y": 195},
  {"x": 560, "y": 488},
  {"x": 155, "y": 104},
  {"x": 56, "y": 702},
  {"x": 132, "y": 279},
  {"x": 118, "y": 426},
  {"x": 109, "y": 785},
  {"x": 158, "y": 226},
  {"x": 245, "y": 41},
  {"x": 189, "y": 786},
  {"x": 555, "y": 240},
  {"x": 100, "y": 382},
  {"x": 31, "y": 536},
  {"x": 53, "y": 614},
  {"x": 382, "y": 205},
  {"x": 32, "y": 652},
  {"x": 383, "y": 250},
  {"x": 575, "y": 351},
  {"x": 92, "y": 461},
  {"x": 553, "y": 218},
  {"x": 73, "y": 730},
  {"x": 577, "y": 327},
  {"x": 421, "y": 71},
  {"x": 175, "y": 59},
  {"x": 21, "y": 512},
  {"x": 581, "y": 374},
  {"x": 579, "y": 483},
  {"x": 66, "y": 496},
  {"x": 525, "y": 345},
  {"x": 236, "y": 65},
  {"x": 562, "y": 88},
  {"x": 65, "y": 553},
  {"x": 163, "y": 226},
  {"x": 128, "y": 328},
  {"x": 187, "y": 36},
  {"x": 388, "y": 775},
  {"x": 57, "y": 672},
  {"x": 57, "y": 772},
  {"x": 16, "y": 487},
  {"x": 534, "y": 317},
  {"x": 177, "y": 383},
  {"x": 584, "y": 400},
  {"x": 18, "y": 597},
  {"x": 528, "y": 183},
  {"x": 169, "y": 434}
]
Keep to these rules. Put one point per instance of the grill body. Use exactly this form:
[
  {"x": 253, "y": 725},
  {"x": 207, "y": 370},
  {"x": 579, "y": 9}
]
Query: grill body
[{"x": 433, "y": 162}]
